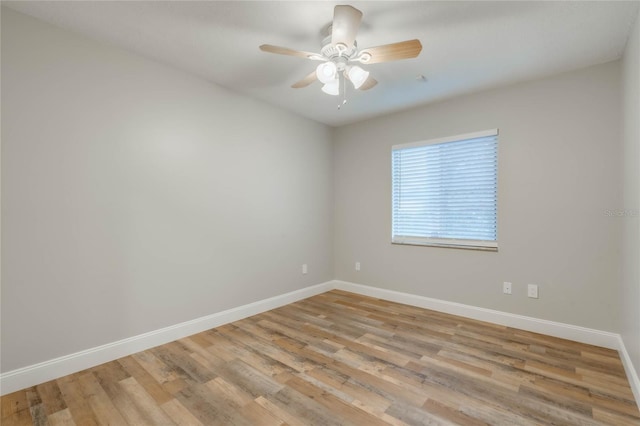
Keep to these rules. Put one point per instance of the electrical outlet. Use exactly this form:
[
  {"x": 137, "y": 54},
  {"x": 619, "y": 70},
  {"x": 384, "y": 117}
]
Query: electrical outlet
[
  {"x": 532, "y": 291},
  {"x": 357, "y": 266},
  {"x": 304, "y": 268},
  {"x": 506, "y": 287}
]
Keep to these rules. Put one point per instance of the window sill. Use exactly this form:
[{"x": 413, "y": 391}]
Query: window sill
[{"x": 447, "y": 245}]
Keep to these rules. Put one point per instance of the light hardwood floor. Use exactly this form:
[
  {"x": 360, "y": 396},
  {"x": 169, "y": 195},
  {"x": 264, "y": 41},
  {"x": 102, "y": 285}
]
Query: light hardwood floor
[{"x": 343, "y": 359}]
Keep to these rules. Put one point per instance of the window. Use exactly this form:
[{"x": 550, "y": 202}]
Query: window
[{"x": 444, "y": 192}]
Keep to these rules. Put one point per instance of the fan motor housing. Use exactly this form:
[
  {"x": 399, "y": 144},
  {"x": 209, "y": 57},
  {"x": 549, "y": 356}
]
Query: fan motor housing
[{"x": 330, "y": 51}]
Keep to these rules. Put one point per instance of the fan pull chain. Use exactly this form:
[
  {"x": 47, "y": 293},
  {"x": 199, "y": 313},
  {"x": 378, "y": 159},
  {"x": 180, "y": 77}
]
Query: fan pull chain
[{"x": 344, "y": 90}]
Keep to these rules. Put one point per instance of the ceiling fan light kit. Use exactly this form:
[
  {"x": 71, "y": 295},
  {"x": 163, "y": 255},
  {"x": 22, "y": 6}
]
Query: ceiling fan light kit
[
  {"x": 332, "y": 88},
  {"x": 340, "y": 49},
  {"x": 326, "y": 72},
  {"x": 357, "y": 76}
]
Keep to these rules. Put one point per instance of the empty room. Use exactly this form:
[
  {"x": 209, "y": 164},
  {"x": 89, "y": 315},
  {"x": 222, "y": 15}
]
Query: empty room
[{"x": 320, "y": 213}]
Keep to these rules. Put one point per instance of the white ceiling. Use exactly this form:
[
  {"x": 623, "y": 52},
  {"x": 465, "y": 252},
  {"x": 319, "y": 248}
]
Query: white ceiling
[{"x": 467, "y": 46}]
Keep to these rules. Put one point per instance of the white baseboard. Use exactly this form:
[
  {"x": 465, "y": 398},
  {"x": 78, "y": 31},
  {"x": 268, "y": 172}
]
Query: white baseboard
[
  {"x": 31, "y": 375},
  {"x": 632, "y": 374},
  {"x": 38, "y": 373},
  {"x": 551, "y": 328}
]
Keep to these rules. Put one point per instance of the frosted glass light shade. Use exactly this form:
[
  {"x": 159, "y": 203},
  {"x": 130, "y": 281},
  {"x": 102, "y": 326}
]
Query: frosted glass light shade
[
  {"x": 358, "y": 76},
  {"x": 326, "y": 72},
  {"x": 332, "y": 87}
]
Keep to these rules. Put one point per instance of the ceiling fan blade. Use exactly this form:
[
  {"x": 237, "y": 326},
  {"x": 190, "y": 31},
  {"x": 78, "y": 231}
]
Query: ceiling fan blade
[
  {"x": 346, "y": 22},
  {"x": 391, "y": 52},
  {"x": 290, "y": 52},
  {"x": 305, "y": 81},
  {"x": 369, "y": 83}
]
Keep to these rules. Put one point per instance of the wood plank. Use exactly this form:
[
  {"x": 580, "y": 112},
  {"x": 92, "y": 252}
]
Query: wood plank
[
  {"x": 36, "y": 409},
  {"x": 451, "y": 414},
  {"x": 227, "y": 411},
  {"x": 109, "y": 376},
  {"x": 102, "y": 406},
  {"x": 612, "y": 418},
  {"x": 258, "y": 415},
  {"x": 155, "y": 367},
  {"x": 414, "y": 415},
  {"x": 334, "y": 404},
  {"x": 75, "y": 400},
  {"x": 250, "y": 379},
  {"x": 51, "y": 397},
  {"x": 305, "y": 409},
  {"x": 289, "y": 418},
  {"x": 14, "y": 402},
  {"x": 145, "y": 403},
  {"x": 159, "y": 394},
  {"x": 232, "y": 392},
  {"x": 179, "y": 414},
  {"x": 61, "y": 418},
  {"x": 198, "y": 407},
  {"x": 19, "y": 418},
  {"x": 178, "y": 358}
]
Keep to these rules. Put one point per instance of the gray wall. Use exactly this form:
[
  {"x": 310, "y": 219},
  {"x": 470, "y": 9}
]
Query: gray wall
[
  {"x": 135, "y": 196},
  {"x": 559, "y": 171},
  {"x": 631, "y": 220}
]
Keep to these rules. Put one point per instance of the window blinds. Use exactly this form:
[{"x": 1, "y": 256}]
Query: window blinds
[{"x": 444, "y": 192}]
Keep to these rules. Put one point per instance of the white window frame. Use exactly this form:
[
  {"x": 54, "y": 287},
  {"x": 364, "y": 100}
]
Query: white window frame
[{"x": 488, "y": 245}]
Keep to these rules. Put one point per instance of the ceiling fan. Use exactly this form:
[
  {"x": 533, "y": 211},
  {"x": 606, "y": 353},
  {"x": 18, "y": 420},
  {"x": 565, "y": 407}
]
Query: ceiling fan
[{"x": 340, "y": 50}]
